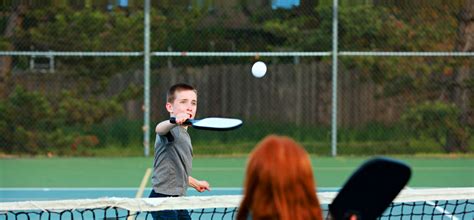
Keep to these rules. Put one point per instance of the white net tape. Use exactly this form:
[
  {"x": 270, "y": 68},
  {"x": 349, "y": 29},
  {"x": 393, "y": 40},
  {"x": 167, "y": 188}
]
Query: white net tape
[{"x": 200, "y": 202}]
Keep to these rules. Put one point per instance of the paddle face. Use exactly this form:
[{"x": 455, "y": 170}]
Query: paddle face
[
  {"x": 213, "y": 123},
  {"x": 370, "y": 190}
]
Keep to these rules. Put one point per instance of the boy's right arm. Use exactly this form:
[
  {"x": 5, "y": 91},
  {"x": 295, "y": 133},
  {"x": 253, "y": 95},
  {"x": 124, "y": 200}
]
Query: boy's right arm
[{"x": 164, "y": 127}]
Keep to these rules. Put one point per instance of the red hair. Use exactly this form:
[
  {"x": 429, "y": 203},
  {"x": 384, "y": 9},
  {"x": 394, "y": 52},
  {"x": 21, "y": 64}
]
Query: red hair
[{"x": 279, "y": 182}]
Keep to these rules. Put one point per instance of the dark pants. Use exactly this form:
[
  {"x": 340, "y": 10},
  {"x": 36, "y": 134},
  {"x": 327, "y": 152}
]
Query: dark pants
[{"x": 168, "y": 214}]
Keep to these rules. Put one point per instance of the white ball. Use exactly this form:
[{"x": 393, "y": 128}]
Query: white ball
[{"x": 259, "y": 69}]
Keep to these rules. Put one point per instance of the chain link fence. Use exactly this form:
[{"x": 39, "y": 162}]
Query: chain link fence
[{"x": 72, "y": 74}]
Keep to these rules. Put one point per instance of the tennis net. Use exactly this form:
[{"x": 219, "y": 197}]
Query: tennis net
[{"x": 438, "y": 203}]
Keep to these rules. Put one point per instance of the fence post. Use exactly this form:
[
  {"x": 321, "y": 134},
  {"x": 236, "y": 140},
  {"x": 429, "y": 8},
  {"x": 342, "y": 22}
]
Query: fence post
[
  {"x": 334, "y": 79},
  {"x": 146, "y": 102}
]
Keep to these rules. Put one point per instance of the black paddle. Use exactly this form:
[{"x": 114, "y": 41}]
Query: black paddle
[
  {"x": 370, "y": 190},
  {"x": 213, "y": 123}
]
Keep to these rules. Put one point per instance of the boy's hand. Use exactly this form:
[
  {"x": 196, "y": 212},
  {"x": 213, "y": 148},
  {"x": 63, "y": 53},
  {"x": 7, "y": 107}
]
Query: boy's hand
[
  {"x": 182, "y": 117},
  {"x": 202, "y": 186},
  {"x": 199, "y": 185},
  {"x": 165, "y": 126}
]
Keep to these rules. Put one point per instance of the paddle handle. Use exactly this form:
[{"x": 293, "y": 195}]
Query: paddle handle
[{"x": 187, "y": 122}]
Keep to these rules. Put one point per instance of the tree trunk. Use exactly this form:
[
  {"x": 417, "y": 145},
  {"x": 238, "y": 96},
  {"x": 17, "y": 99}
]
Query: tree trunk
[
  {"x": 5, "y": 69},
  {"x": 15, "y": 19},
  {"x": 460, "y": 95}
]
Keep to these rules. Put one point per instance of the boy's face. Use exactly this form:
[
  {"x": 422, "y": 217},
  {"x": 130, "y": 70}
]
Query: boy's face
[{"x": 185, "y": 102}]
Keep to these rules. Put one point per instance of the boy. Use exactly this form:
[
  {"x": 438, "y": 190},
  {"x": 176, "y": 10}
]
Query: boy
[{"x": 174, "y": 151}]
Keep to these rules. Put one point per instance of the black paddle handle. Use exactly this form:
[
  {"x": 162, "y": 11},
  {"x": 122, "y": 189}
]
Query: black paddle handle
[{"x": 187, "y": 122}]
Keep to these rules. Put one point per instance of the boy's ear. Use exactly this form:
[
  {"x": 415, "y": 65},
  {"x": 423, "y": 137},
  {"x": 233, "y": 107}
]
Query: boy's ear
[{"x": 169, "y": 107}]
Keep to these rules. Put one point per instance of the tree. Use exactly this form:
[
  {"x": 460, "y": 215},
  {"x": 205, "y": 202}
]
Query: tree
[
  {"x": 38, "y": 121},
  {"x": 460, "y": 93},
  {"x": 451, "y": 82},
  {"x": 15, "y": 19},
  {"x": 419, "y": 82}
]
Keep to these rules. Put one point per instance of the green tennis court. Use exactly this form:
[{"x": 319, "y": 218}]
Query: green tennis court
[{"x": 219, "y": 171}]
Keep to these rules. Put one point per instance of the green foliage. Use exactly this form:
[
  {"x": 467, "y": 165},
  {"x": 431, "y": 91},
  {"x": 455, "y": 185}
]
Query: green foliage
[
  {"x": 358, "y": 26},
  {"x": 65, "y": 29},
  {"x": 85, "y": 30},
  {"x": 119, "y": 132},
  {"x": 32, "y": 123},
  {"x": 29, "y": 133},
  {"x": 78, "y": 111},
  {"x": 4, "y": 43},
  {"x": 435, "y": 120}
]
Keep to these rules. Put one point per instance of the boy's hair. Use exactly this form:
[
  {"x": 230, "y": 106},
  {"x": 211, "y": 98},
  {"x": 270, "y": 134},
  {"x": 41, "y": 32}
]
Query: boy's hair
[{"x": 171, "y": 96}]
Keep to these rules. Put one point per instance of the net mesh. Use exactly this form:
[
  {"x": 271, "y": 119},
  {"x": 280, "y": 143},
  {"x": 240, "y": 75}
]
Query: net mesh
[{"x": 443, "y": 203}]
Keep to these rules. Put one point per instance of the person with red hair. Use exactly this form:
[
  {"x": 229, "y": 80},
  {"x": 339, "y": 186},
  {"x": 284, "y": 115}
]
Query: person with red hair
[{"x": 279, "y": 182}]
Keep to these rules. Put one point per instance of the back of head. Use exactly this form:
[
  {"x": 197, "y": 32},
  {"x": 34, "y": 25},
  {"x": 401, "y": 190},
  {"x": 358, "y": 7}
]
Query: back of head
[
  {"x": 279, "y": 182},
  {"x": 170, "y": 97}
]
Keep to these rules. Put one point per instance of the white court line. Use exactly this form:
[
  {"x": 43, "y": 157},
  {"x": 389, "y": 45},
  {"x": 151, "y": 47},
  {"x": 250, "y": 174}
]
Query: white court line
[
  {"x": 439, "y": 209},
  {"x": 142, "y": 187}
]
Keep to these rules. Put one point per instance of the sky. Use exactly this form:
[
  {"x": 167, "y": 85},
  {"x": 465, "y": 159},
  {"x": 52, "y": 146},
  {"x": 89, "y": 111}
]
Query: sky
[{"x": 284, "y": 3}]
